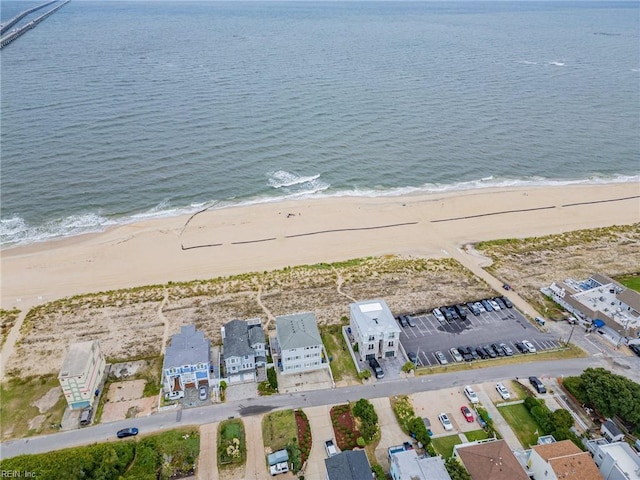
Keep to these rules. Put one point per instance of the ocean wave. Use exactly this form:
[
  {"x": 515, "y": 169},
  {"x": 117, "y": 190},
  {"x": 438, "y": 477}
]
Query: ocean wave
[
  {"x": 282, "y": 178},
  {"x": 16, "y": 231},
  {"x": 557, "y": 63}
]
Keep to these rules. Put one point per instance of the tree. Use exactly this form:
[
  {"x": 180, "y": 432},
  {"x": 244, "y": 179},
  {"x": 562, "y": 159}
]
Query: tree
[
  {"x": 456, "y": 470},
  {"x": 561, "y": 419}
]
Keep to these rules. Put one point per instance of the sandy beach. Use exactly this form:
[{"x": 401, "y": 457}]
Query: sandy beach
[{"x": 274, "y": 235}]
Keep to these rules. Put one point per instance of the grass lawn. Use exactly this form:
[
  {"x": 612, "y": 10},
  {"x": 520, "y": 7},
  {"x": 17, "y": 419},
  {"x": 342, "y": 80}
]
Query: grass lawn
[
  {"x": 631, "y": 281},
  {"x": 476, "y": 435},
  {"x": 444, "y": 445},
  {"x": 279, "y": 429},
  {"x": 232, "y": 448},
  {"x": 521, "y": 422},
  {"x": 17, "y": 411},
  {"x": 342, "y": 366}
]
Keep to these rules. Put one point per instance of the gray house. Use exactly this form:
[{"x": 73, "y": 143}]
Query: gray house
[
  {"x": 348, "y": 465},
  {"x": 611, "y": 432},
  {"x": 244, "y": 349},
  {"x": 299, "y": 342},
  {"x": 186, "y": 361}
]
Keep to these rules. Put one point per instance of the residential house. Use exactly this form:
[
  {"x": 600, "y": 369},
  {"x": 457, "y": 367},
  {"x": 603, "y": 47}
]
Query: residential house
[
  {"x": 406, "y": 464},
  {"x": 348, "y": 465},
  {"x": 186, "y": 361},
  {"x": 562, "y": 461},
  {"x": 244, "y": 349},
  {"x": 81, "y": 373},
  {"x": 610, "y": 431},
  {"x": 299, "y": 343},
  {"x": 616, "y": 461},
  {"x": 374, "y": 329},
  {"x": 490, "y": 460}
]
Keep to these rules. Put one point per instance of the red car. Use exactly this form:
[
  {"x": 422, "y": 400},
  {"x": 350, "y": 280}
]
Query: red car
[{"x": 466, "y": 413}]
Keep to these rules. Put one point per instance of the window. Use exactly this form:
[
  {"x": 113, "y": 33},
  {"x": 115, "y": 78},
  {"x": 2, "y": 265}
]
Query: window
[
  {"x": 371, "y": 347},
  {"x": 392, "y": 335},
  {"x": 390, "y": 344},
  {"x": 372, "y": 338}
]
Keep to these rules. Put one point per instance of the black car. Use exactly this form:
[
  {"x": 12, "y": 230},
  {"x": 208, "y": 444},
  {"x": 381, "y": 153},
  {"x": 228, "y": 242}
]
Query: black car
[
  {"x": 447, "y": 314},
  {"x": 507, "y": 302},
  {"x": 127, "y": 432},
  {"x": 474, "y": 354},
  {"x": 487, "y": 306},
  {"x": 521, "y": 348},
  {"x": 462, "y": 312},
  {"x": 500, "y": 303},
  {"x": 412, "y": 357},
  {"x": 466, "y": 353},
  {"x": 499, "y": 351},
  {"x": 403, "y": 321},
  {"x": 482, "y": 353},
  {"x": 489, "y": 351},
  {"x": 454, "y": 313},
  {"x": 635, "y": 349},
  {"x": 537, "y": 384},
  {"x": 473, "y": 309}
]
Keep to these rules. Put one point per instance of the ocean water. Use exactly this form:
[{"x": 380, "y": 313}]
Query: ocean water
[{"x": 114, "y": 111}]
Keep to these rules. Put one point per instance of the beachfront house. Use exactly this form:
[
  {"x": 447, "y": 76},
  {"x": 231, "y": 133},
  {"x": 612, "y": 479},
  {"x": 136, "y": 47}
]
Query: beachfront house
[
  {"x": 374, "y": 329},
  {"x": 81, "y": 374},
  {"x": 186, "y": 362},
  {"x": 562, "y": 460},
  {"x": 615, "y": 461},
  {"x": 299, "y": 343},
  {"x": 244, "y": 349}
]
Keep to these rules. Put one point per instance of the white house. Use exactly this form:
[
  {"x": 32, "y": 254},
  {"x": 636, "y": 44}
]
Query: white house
[
  {"x": 244, "y": 349},
  {"x": 374, "y": 329},
  {"x": 299, "y": 342},
  {"x": 186, "y": 361},
  {"x": 616, "y": 461},
  {"x": 81, "y": 373}
]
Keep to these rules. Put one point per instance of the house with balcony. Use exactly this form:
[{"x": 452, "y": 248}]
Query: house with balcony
[
  {"x": 187, "y": 361},
  {"x": 244, "y": 349},
  {"x": 374, "y": 329},
  {"x": 81, "y": 374},
  {"x": 299, "y": 344}
]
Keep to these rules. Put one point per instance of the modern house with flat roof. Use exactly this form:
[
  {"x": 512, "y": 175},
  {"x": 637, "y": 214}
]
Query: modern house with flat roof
[
  {"x": 562, "y": 461},
  {"x": 374, "y": 329},
  {"x": 81, "y": 373},
  {"x": 299, "y": 343},
  {"x": 348, "y": 465},
  {"x": 186, "y": 361},
  {"x": 406, "y": 464},
  {"x": 616, "y": 461},
  {"x": 244, "y": 349},
  {"x": 492, "y": 460},
  {"x": 598, "y": 298}
]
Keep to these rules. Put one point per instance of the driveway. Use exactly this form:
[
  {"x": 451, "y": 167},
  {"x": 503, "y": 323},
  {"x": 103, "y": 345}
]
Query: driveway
[
  {"x": 391, "y": 432},
  {"x": 321, "y": 430},
  {"x": 449, "y": 401},
  {"x": 208, "y": 460},
  {"x": 256, "y": 467}
]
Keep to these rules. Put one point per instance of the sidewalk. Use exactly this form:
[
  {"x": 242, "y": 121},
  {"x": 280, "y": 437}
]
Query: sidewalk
[{"x": 499, "y": 422}]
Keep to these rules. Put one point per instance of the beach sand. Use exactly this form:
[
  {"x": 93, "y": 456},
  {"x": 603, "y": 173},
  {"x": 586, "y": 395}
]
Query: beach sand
[{"x": 274, "y": 235}]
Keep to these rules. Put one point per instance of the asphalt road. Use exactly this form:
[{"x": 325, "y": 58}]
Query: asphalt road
[{"x": 254, "y": 406}]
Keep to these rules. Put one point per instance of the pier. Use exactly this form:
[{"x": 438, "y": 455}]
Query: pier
[{"x": 7, "y": 39}]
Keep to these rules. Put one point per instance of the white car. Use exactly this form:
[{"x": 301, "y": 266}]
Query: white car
[
  {"x": 480, "y": 307},
  {"x": 495, "y": 305},
  {"x": 441, "y": 358},
  {"x": 471, "y": 395},
  {"x": 529, "y": 346},
  {"x": 456, "y": 354},
  {"x": 502, "y": 390},
  {"x": 444, "y": 420},
  {"x": 330, "y": 448},
  {"x": 438, "y": 314}
]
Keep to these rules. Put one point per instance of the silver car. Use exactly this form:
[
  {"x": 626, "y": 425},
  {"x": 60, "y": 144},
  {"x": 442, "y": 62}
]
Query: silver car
[
  {"x": 456, "y": 354},
  {"x": 441, "y": 358},
  {"x": 438, "y": 314}
]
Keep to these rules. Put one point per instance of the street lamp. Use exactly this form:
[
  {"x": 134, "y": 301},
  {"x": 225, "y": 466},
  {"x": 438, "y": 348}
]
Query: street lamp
[{"x": 569, "y": 339}]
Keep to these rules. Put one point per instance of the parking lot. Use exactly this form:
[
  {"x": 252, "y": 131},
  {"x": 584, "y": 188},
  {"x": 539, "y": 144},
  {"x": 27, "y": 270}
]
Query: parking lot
[{"x": 504, "y": 326}]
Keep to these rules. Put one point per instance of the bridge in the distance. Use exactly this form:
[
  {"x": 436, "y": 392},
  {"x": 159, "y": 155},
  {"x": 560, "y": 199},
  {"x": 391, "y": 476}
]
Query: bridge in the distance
[{"x": 17, "y": 32}]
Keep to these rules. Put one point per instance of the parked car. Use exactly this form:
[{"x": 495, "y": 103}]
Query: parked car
[
  {"x": 447, "y": 314},
  {"x": 282, "y": 467},
  {"x": 537, "y": 384},
  {"x": 410, "y": 321},
  {"x": 540, "y": 321},
  {"x": 474, "y": 354},
  {"x": 203, "y": 394},
  {"x": 377, "y": 369},
  {"x": 499, "y": 301},
  {"x": 506, "y": 286},
  {"x": 489, "y": 350},
  {"x": 438, "y": 314},
  {"x": 462, "y": 311},
  {"x": 487, "y": 306},
  {"x": 529, "y": 346},
  {"x": 444, "y": 420},
  {"x": 466, "y": 413},
  {"x": 403, "y": 321},
  {"x": 455, "y": 353},
  {"x": 506, "y": 349},
  {"x": 482, "y": 353},
  {"x": 635, "y": 349},
  {"x": 502, "y": 390},
  {"x": 466, "y": 353},
  {"x": 494, "y": 304},
  {"x": 413, "y": 358},
  {"x": 499, "y": 351},
  {"x": 127, "y": 432},
  {"x": 473, "y": 308},
  {"x": 507, "y": 302},
  {"x": 441, "y": 358},
  {"x": 471, "y": 395},
  {"x": 521, "y": 348},
  {"x": 454, "y": 313},
  {"x": 480, "y": 307},
  {"x": 330, "y": 448},
  {"x": 85, "y": 416}
]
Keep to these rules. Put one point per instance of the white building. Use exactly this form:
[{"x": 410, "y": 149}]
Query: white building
[
  {"x": 299, "y": 343},
  {"x": 408, "y": 465},
  {"x": 616, "y": 461},
  {"x": 81, "y": 373},
  {"x": 374, "y": 329}
]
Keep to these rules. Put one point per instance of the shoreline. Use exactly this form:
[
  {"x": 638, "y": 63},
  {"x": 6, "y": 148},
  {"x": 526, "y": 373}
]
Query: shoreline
[{"x": 273, "y": 235}]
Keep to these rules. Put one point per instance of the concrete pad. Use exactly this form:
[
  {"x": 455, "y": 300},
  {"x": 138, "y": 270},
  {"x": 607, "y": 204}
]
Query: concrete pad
[
  {"x": 321, "y": 430},
  {"x": 141, "y": 407},
  {"x": 301, "y": 382},
  {"x": 256, "y": 466},
  {"x": 241, "y": 391},
  {"x": 208, "y": 458},
  {"x": 391, "y": 433},
  {"x": 122, "y": 391}
]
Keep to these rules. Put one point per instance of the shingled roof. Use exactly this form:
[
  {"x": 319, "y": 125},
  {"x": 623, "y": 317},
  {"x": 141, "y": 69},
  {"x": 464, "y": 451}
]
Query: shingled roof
[{"x": 491, "y": 460}]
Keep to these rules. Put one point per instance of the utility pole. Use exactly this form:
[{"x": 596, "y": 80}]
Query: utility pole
[{"x": 569, "y": 339}]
